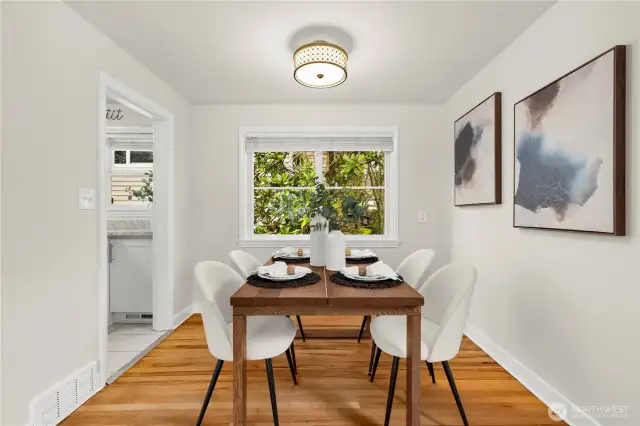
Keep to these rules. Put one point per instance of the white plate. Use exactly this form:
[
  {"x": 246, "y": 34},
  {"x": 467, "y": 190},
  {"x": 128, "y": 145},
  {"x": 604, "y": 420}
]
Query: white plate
[
  {"x": 290, "y": 256},
  {"x": 305, "y": 254},
  {"x": 360, "y": 256},
  {"x": 365, "y": 278},
  {"x": 301, "y": 271}
]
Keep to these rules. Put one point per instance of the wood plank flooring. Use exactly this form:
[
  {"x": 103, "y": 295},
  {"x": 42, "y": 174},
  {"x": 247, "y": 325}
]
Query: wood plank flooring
[{"x": 167, "y": 386}]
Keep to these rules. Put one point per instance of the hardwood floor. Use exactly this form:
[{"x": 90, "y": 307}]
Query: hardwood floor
[{"x": 166, "y": 388}]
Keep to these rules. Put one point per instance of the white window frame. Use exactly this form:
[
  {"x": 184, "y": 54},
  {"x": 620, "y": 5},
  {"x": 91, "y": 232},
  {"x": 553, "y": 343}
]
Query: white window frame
[
  {"x": 128, "y": 165},
  {"x": 245, "y": 189}
]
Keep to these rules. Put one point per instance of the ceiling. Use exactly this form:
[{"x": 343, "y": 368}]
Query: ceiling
[{"x": 238, "y": 52}]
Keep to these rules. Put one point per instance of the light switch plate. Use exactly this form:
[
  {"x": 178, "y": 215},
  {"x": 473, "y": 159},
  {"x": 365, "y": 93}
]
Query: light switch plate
[
  {"x": 86, "y": 199},
  {"x": 422, "y": 216}
]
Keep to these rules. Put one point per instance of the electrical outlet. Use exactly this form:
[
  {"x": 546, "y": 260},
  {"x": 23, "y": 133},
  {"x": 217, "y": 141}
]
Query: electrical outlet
[{"x": 422, "y": 216}]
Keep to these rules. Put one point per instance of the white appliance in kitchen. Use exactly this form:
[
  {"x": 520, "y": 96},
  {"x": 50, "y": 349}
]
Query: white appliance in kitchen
[{"x": 131, "y": 279}]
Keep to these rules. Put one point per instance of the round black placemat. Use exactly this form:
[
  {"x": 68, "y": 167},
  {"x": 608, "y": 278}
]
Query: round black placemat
[
  {"x": 291, "y": 261},
  {"x": 338, "y": 278},
  {"x": 362, "y": 260},
  {"x": 308, "y": 279}
]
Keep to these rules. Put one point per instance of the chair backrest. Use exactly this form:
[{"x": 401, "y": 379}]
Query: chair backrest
[
  {"x": 447, "y": 295},
  {"x": 414, "y": 267},
  {"x": 244, "y": 262},
  {"x": 217, "y": 282}
]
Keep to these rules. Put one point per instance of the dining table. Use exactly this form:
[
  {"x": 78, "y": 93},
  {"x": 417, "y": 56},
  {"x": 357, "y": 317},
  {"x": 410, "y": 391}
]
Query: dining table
[{"x": 326, "y": 298}]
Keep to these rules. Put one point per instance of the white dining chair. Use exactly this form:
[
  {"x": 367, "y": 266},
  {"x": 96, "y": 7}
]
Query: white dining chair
[
  {"x": 413, "y": 269},
  {"x": 447, "y": 296},
  {"x": 246, "y": 264},
  {"x": 267, "y": 336}
]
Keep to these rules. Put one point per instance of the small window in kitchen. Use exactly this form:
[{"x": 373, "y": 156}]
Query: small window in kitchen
[
  {"x": 136, "y": 157},
  {"x": 120, "y": 157},
  {"x": 132, "y": 177}
]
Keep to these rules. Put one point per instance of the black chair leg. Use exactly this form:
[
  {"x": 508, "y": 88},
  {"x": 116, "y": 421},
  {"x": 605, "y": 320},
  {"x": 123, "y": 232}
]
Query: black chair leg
[
  {"x": 272, "y": 391},
  {"x": 212, "y": 385},
  {"x": 293, "y": 357},
  {"x": 375, "y": 364},
  {"x": 373, "y": 354},
  {"x": 293, "y": 372},
  {"x": 454, "y": 389},
  {"x": 431, "y": 373},
  {"x": 301, "y": 329},
  {"x": 392, "y": 389},
  {"x": 364, "y": 323}
]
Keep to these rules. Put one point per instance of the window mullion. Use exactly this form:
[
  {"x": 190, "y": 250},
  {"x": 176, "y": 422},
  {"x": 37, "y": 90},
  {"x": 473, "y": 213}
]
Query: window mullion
[{"x": 318, "y": 164}]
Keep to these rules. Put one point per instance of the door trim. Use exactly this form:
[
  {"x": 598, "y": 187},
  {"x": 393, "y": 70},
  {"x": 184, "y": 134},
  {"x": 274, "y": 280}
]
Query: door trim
[{"x": 162, "y": 212}]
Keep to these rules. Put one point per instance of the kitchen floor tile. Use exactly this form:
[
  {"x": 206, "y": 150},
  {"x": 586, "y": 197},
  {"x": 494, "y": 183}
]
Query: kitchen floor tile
[
  {"x": 116, "y": 360},
  {"x": 136, "y": 329},
  {"x": 130, "y": 342}
]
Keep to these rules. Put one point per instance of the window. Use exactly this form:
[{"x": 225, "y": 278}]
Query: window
[
  {"x": 132, "y": 157},
  {"x": 131, "y": 168},
  {"x": 283, "y": 171}
]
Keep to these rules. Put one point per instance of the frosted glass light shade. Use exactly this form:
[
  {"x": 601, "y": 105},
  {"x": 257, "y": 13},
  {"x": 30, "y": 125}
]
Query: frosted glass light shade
[{"x": 320, "y": 65}]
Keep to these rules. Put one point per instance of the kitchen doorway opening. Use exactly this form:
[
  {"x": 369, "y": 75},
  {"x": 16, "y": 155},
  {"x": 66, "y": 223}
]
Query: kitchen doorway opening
[{"x": 135, "y": 222}]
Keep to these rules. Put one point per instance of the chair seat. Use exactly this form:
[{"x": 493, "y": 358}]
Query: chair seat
[
  {"x": 389, "y": 333},
  {"x": 267, "y": 336}
]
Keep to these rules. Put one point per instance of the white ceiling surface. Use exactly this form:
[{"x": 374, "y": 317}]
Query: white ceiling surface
[{"x": 238, "y": 52}]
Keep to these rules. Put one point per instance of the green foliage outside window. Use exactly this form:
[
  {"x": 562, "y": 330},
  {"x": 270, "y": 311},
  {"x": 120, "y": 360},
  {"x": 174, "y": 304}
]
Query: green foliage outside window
[
  {"x": 145, "y": 193},
  {"x": 357, "y": 207}
]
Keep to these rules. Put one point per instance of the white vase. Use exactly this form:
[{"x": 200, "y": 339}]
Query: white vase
[
  {"x": 319, "y": 241},
  {"x": 336, "y": 246}
]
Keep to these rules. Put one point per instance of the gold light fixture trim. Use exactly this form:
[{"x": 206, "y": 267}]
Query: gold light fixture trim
[{"x": 320, "y": 65}]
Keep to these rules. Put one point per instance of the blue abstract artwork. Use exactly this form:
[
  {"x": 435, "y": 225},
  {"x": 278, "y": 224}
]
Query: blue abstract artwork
[
  {"x": 564, "y": 152},
  {"x": 552, "y": 179}
]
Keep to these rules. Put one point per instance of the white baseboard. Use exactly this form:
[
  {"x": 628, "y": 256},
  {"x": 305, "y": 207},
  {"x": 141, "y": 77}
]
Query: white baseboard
[
  {"x": 530, "y": 380},
  {"x": 182, "y": 316}
]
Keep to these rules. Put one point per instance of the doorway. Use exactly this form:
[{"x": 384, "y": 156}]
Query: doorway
[{"x": 126, "y": 199}]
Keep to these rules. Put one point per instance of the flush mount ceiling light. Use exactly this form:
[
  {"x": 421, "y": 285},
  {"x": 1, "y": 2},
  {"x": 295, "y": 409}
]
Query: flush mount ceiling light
[{"x": 320, "y": 65}]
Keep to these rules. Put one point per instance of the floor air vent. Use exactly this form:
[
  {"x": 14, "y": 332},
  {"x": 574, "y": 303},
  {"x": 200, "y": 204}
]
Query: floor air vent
[{"x": 60, "y": 401}]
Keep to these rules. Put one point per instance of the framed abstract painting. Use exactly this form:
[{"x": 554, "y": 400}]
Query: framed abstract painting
[
  {"x": 478, "y": 154},
  {"x": 570, "y": 150}
]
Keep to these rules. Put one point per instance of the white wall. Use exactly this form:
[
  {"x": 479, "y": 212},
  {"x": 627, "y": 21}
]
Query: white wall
[
  {"x": 214, "y": 170},
  {"x": 565, "y": 305},
  {"x": 52, "y": 59}
]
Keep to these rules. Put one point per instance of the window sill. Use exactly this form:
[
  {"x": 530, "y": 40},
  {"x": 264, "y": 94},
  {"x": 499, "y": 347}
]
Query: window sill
[
  {"x": 305, "y": 243},
  {"x": 129, "y": 213}
]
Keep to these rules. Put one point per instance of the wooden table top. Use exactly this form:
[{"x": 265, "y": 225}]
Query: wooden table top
[{"x": 326, "y": 293}]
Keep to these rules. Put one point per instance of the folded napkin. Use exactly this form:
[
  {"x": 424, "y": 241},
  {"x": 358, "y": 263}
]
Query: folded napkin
[
  {"x": 378, "y": 269},
  {"x": 362, "y": 253},
  {"x": 290, "y": 251},
  {"x": 278, "y": 269}
]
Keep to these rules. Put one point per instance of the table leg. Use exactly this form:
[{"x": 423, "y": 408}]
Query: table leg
[
  {"x": 239, "y": 370},
  {"x": 413, "y": 370}
]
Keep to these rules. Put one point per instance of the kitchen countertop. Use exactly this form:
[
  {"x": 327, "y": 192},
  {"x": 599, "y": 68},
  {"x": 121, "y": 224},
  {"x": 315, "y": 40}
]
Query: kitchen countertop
[{"x": 129, "y": 228}]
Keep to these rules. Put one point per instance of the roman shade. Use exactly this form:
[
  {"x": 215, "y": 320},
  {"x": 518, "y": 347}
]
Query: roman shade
[{"x": 289, "y": 143}]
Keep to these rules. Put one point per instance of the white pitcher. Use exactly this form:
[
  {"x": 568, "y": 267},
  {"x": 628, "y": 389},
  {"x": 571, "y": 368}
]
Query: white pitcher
[
  {"x": 336, "y": 246},
  {"x": 319, "y": 240}
]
